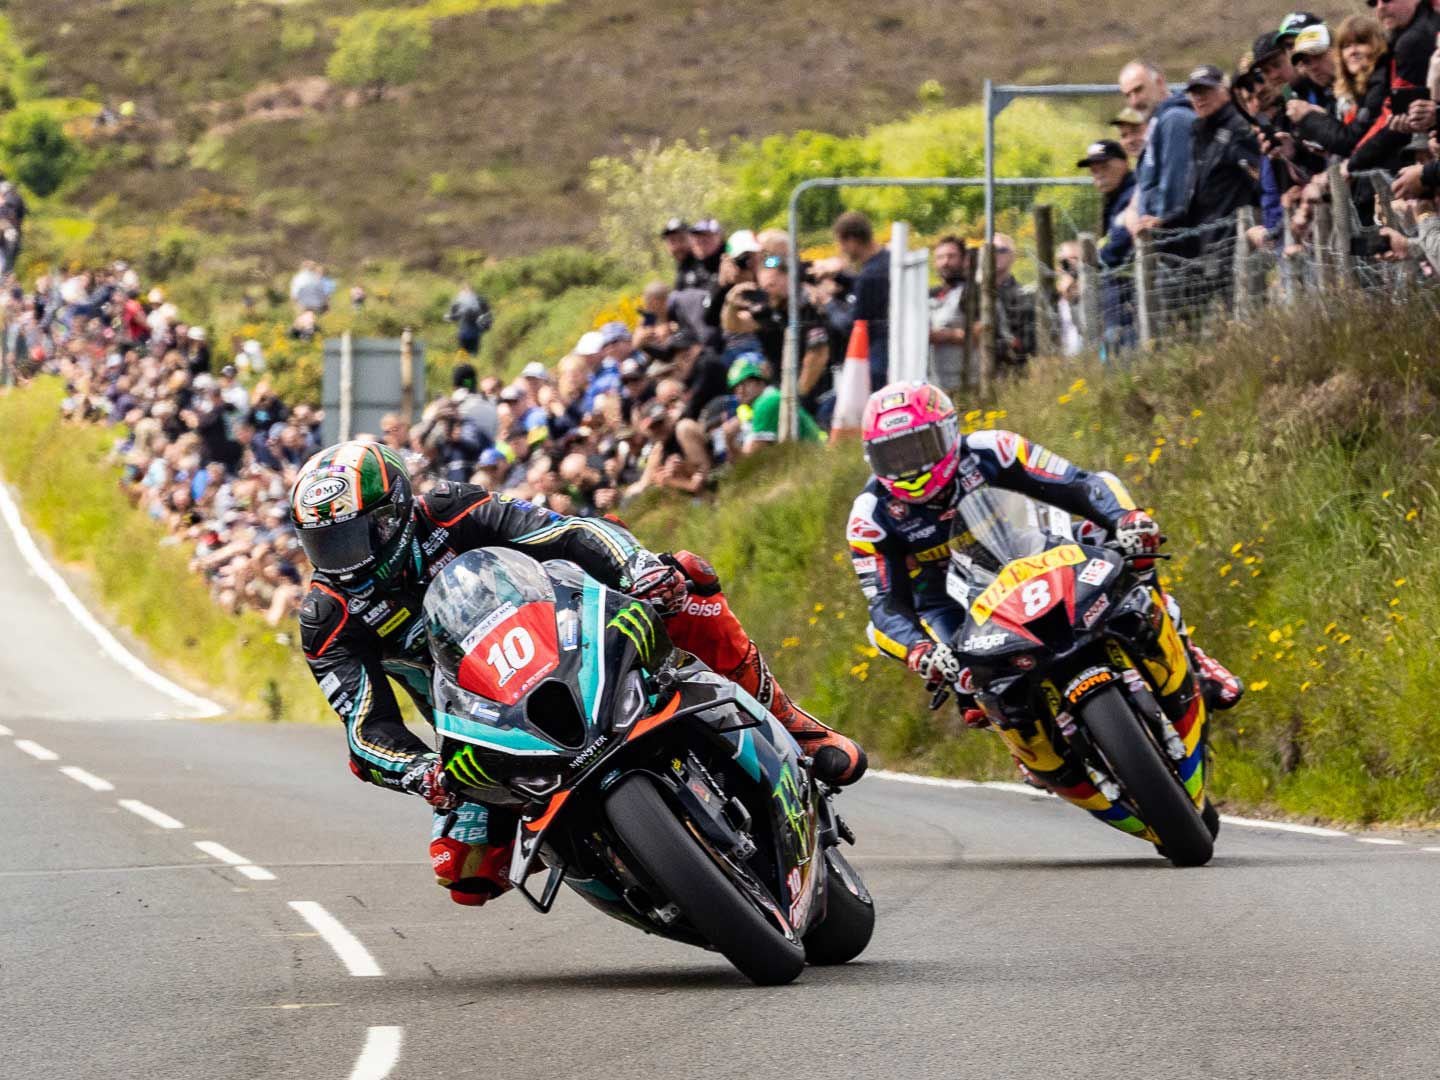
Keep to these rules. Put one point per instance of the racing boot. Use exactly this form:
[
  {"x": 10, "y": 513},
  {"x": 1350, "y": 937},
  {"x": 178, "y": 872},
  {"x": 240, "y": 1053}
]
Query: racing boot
[
  {"x": 1222, "y": 687},
  {"x": 838, "y": 760},
  {"x": 473, "y": 870}
]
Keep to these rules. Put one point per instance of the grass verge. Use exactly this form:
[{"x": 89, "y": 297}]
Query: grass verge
[{"x": 69, "y": 493}]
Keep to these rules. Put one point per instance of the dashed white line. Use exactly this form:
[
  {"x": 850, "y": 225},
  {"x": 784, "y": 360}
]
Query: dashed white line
[
  {"x": 35, "y": 750},
  {"x": 1385, "y": 841},
  {"x": 347, "y": 947},
  {"x": 5, "y": 730},
  {"x": 150, "y": 814},
  {"x": 1431, "y": 849},
  {"x": 89, "y": 779},
  {"x": 381, "y": 1052},
  {"x": 239, "y": 862}
]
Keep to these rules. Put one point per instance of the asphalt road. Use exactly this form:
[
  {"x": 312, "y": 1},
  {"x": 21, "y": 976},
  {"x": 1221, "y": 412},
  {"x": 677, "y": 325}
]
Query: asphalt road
[{"x": 1015, "y": 937}]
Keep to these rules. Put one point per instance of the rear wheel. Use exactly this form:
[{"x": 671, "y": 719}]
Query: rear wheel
[
  {"x": 1211, "y": 817},
  {"x": 713, "y": 904},
  {"x": 1163, "y": 802},
  {"x": 849, "y": 919}
]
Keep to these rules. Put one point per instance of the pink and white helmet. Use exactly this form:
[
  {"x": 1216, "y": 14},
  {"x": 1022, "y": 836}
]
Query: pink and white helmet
[{"x": 912, "y": 440}]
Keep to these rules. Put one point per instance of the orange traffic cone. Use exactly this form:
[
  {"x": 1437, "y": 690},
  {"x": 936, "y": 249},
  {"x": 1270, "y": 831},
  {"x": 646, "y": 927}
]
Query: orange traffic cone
[{"x": 853, "y": 390}]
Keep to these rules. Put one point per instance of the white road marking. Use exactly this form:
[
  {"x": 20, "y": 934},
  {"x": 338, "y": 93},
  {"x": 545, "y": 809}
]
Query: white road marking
[
  {"x": 381, "y": 1052},
  {"x": 1017, "y": 789},
  {"x": 198, "y": 706},
  {"x": 1380, "y": 840},
  {"x": 1280, "y": 826},
  {"x": 90, "y": 780},
  {"x": 925, "y": 781},
  {"x": 347, "y": 947},
  {"x": 35, "y": 750},
  {"x": 1430, "y": 849},
  {"x": 239, "y": 862},
  {"x": 150, "y": 814},
  {"x": 5, "y": 730}
]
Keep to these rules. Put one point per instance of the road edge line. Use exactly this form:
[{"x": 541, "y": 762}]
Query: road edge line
[
  {"x": 203, "y": 708},
  {"x": 380, "y": 1053}
]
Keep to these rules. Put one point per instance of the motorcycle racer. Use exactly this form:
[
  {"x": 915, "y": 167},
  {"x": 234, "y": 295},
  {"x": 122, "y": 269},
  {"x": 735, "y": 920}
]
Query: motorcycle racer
[
  {"x": 376, "y": 546},
  {"x": 899, "y": 526}
]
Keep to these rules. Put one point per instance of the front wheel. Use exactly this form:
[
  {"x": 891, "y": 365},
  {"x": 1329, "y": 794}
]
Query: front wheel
[
  {"x": 1161, "y": 799},
  {"x": 849, "y": 915},
  {"x": 674, "y": 860}
]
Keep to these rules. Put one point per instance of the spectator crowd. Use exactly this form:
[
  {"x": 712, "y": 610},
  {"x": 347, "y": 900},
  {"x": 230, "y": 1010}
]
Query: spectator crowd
[{"x": 209, "y": 450}]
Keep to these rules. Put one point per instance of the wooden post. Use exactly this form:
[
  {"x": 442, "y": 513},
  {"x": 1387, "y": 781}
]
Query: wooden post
[
  {"x": 1092, "y": 300},
  {"x": 989, "y": 302},
  {"x": 1320, "y": 240},
  {"x": 1288, "y": 288},
  {"x": 1147, "y": 313},
  {"x": 970, "y": 375},
  {"x": 1246, "y": 295},
  {"x": 347, "y": 386},
  {"x": 1343, "y": 227},
  {"x": 407, "y": 376},
  {"x": 1047, "y": 292}
]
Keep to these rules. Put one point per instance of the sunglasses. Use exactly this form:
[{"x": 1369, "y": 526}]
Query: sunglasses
[
  {"x": 1378, "y": 3},
  {"x": 774, "y": 262}
]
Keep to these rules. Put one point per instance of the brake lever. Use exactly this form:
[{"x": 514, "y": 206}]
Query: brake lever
[{"x": 939, "y": 698}]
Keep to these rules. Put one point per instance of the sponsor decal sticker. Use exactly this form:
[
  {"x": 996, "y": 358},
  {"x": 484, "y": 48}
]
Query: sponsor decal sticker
[
  {"x": 357, "y": 605},
  {"x": 865, "y": 564},
  {"x": 394, "y": 622},
  {"x": 324, "y": 489},
  {"x": 864, "y": 530},
  {"x": 983, "y": 642},
  {"x": 435, "y": 541},
  {"x": 329, "y": 684},
  {"x": 1095, "y": 572},
  {"x": 375, "y": 614},
  {"x": 1020, "y": 571},
  {"x": 893, "y": 421},
  {"x": 1087, "y": 680},
  {"x": 1097, "y": 609}
]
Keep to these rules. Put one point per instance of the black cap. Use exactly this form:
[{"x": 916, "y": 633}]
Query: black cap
[
  {"x": 1206, "y": 75},
  {"x": 463, "y": 375},
  {"x": 1102, "y": 151},
  {"x": 673, "y": 226},
  {"x": 1266, "y": 46}
]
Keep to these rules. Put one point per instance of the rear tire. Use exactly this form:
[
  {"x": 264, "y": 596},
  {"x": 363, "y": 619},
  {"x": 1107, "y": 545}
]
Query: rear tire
[
  {"x": 1211, "y": 817},
  {"x": 849, "y": 921},
  {"x": 1158, "y": 794},
  {"x": 714, "y": 905}
]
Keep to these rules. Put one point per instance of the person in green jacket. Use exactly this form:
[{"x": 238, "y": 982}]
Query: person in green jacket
[{"x": 759, "y": 411}]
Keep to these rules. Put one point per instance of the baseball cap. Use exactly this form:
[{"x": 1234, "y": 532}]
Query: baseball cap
[
  {"x": 1206, "y": 75},
  {"x": 589, "y": 344},
  {"x": 533, "y": 370},
  {"x": 1267, "y": 46},
  {"x": 1102, "y": 151},
  {"x": 1128, "y": 115},
  {"x": 612, "y": 332},
  {"x": 1295, "y": 22},
  {"x": 705, "y": 225},
  {"x": 674, "y": 225},
  {"x": 748, "y": 365},
  {"x": 1311, "y": 41},
  {"x": 510, "y": 395},
  {"x": 490, "y": 457},
  {"x": 742, "y": 243}
]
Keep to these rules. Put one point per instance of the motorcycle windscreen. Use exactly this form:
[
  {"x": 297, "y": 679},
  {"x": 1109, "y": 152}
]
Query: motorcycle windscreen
[{"x": 491, "y": 618}]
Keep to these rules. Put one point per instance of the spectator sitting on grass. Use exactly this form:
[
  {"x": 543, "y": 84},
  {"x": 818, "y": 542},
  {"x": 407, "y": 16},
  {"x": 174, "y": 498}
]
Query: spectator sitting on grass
[{"x": 758, "y": 421}]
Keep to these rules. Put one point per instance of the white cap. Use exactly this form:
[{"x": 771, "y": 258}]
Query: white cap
[
  {"x": 742, "y": 243},
  {"x": 196, "y": 333},
  {"x": 589, "y": 343},
  {"x": 533, "y": 370}
]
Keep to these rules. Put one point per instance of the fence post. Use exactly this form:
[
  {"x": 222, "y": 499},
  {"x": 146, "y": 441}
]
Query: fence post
[
  {"x": 1247, "y": 288},
  {"x": 1406, "y": 271},
  {"x": 971, "y": 304},
  {"x": 1146, "y": 296},
  {"x": 1091, "y": 301},
  {"x": 1343, "y": 227},
  {"x": 1288, "y": 288},
  {"x": 1322, "y": 229},
  {"x": 347, "y": 386},
  {"x": 989, "y": 300},
  {"x": 407, "y": 375},
  {"x": 1047, "y": 295}
]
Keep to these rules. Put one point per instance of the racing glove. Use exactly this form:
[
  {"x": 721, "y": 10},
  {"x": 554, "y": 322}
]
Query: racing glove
[
  {"x": 426, "y": 777},
  {"x": 1138, "y": 534},
  {"x": 936, "y": 663},
  {"x": 657, "y": 582}
]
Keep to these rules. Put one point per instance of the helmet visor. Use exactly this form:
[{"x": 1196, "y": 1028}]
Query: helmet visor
[
  {"x": 911, "y": 453},
  {"x": 340, "y": 547}
]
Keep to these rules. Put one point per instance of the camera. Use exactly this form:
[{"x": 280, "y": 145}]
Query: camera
[{"x": 1369, "y": 246}]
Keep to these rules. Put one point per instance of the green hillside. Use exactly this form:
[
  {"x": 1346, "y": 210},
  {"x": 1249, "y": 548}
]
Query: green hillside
[{"x": 237, "y": 132}]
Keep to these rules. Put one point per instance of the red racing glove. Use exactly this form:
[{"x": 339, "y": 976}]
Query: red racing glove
[{"x": 1138, "y": 535}]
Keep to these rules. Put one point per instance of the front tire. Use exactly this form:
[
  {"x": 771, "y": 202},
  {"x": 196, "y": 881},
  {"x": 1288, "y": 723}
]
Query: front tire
[
  {"x": 849, "y": 919},
  {"x": 1162, "y": 801},
  {"x": 675, "y": 861}
]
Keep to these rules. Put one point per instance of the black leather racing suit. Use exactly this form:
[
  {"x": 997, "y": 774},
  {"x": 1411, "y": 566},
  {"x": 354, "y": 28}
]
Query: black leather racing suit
[{"x": 354, "y": 642}]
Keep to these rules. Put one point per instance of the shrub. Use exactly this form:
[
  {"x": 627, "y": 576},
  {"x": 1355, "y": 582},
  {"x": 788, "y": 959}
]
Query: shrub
[
  {"x": 37, "y": 152},
  {"x": 379, "y": 49},
  {"x": 648, "y": 185}
]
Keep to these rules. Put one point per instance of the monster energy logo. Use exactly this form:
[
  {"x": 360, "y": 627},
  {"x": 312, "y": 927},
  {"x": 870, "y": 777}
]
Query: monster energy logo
[
  {"x": 463, "y": 766},
  {"x": 636, "y": 623},
  {"x": 787, "y": 793}
]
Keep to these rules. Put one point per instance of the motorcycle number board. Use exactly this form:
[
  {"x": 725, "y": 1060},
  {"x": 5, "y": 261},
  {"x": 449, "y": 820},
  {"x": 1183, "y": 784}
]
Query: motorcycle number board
[
  {"x": 508, "y": 653},
  {"x": 1013, "y": 579}
]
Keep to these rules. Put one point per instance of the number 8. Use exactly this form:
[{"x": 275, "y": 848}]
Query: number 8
[{"x": 1035, "y": 597}]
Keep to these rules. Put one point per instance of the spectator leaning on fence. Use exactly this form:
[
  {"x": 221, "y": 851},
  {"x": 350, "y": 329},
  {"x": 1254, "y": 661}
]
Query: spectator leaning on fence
[
  {"x": 1411, "y": 27},
  {"x": 870, "y": 297},
  {"x": 1115, "y": 181},
  {"x": 1163, "y": 175},
  {"x": 947, "y": 311},
  {"x": 1130, "y": 125}
]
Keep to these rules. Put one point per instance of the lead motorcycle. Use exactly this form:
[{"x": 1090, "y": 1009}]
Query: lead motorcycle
[
  {"x": 659, "y": 791},
  {"x": 1080, "y": 668}
]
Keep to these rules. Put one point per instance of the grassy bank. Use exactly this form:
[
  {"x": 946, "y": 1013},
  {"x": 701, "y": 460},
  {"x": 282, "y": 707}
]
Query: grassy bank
[
  {"x": 1292, "y": 466},
  {"x": 69, "y": 494}
]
